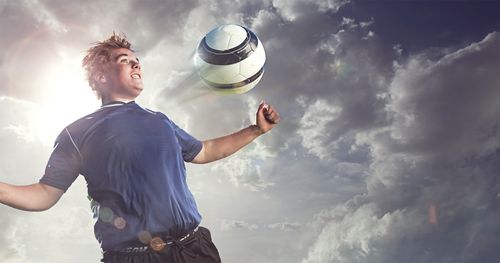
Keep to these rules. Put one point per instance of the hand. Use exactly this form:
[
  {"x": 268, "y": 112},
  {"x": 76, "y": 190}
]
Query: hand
[{"x": 267, "y": 117}]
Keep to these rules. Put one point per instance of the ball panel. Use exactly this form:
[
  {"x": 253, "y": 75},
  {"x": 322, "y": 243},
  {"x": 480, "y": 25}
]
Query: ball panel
[
  {"x": 253, "y": 80},
  {"x": 214, "y": 58},
  {"x": 259, "y": 51},
  {"x": 238, "y": 35},
  {"x": 218, "y": 40},
  {"x": 217, "y": 73},
  {"x": 252, "y": 64},
  {"x": 236, "y": 90},
  {"x": 230, "y": 56},
  {"x": 234, "y": 41}
]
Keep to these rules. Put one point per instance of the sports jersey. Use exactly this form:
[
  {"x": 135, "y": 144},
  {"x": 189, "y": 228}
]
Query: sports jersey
[{"x": 133, "y": 162}]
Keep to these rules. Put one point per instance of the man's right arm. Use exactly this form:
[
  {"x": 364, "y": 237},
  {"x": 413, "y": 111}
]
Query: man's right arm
[{"x": 34, "y": 197}]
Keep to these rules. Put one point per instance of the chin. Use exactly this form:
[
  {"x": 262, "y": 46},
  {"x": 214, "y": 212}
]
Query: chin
[{"x": 137, "y": 90}]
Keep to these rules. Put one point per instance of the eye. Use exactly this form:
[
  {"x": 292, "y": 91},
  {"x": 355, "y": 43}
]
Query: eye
[{"x": 124, "y": 61}]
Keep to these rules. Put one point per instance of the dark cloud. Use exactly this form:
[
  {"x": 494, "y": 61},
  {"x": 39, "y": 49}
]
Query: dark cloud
[
  {"x": 439, "y": 153},
  {"x": 332, "y": 63},
  {"x": 440, "y": 23}
]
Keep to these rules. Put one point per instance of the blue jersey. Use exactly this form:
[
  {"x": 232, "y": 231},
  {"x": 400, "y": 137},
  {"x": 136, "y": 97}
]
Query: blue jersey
[{"x": 133, "y": 161}]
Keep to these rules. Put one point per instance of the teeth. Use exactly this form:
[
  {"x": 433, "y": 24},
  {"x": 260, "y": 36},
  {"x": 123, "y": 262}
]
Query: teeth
[{"x": 136, "y": 76}]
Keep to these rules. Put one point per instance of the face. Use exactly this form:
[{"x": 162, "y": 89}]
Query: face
[{"x": 123, "y": 77}]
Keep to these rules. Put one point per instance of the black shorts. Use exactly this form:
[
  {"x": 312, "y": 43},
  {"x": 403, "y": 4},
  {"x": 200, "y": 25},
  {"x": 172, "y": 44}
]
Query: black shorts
[{"x": 197, "y": 248}]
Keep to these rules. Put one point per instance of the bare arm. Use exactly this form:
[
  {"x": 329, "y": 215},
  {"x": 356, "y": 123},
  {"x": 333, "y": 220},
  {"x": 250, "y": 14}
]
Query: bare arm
[
  {"x": 222, "y": 147},
  {"x": 34, "y": 197}
]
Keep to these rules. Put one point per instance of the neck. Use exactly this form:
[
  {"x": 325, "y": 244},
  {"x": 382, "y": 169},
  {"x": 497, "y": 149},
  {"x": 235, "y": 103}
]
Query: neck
[{"x": 106, "y": 100}]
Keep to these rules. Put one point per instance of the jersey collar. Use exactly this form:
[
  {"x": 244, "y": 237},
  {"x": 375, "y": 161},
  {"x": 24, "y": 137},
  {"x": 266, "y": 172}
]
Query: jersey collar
[{"x": 114, "y": 103}]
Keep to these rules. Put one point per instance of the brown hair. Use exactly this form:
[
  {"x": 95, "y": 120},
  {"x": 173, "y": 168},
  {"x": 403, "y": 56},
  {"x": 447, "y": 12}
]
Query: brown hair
[{"x": 99, "y": 54}]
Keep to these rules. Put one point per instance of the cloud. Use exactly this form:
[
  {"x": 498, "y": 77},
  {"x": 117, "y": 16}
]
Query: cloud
[
  {"x": 313, "y": 127},
  {"x": 237, "y": 224},
  {"x": 11, "y": 252},
  {"x": 352, "y": 236},
  {"x": 43, "y": 15},
  {"x": 227, "y": 225},
  {"x": 245, "y": 168},
  {"x": 69, "y": 221},
  {"x": 440, "y": 152},
  {"x": 291, "y": 10},
  {"x": 285, "y": 226}
]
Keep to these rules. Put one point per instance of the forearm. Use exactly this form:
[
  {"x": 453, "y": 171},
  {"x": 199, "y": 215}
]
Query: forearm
[
  {"x": 26, "y": 197},
  {"x": 222, "y": 147}
]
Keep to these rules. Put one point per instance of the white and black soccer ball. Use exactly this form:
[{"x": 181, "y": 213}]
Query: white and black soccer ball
[{"x": 230, "y": 59}]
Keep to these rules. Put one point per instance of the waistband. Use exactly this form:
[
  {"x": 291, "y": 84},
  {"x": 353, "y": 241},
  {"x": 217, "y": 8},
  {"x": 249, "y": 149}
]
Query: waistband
[{"x": 156, "y": 244}]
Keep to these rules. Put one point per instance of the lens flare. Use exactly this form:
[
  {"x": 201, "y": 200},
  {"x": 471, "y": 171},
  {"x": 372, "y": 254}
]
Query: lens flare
[
  {"x": 119, "y": 222},
  {"x": 145, "y": 237},
  {"x": 433, "y": 215},
  {"x": 106, "y": 214}
]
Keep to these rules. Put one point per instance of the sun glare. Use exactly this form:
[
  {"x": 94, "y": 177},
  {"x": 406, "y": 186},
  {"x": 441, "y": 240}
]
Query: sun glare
[{"x": 64, "y": 97}]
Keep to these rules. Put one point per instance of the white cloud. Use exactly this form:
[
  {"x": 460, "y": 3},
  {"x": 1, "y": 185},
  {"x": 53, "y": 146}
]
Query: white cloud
[
  {"x": 11, "y": 252},
  {"x": 331, "y": 5},
  {"x": 245, "y": 167},
  {"x": 23, "y": 132},
  {"x": 352, "y": 235},
  {"x": 447, "y": 106},
  {"x": 291, "y": 10},
  {"x": 314, "y": 127},
  {"x": 227, "y": 225},
  {"x": 44, "y": 15},
  {"x": 285, "y": 226},
  {"x": 263, "y": 18},
  {"x": 20, "y": 120}
]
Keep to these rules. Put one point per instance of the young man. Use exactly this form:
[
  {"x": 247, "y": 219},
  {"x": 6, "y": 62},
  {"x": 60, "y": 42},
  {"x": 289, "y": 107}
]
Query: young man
[{"x": 133, "y": 161}]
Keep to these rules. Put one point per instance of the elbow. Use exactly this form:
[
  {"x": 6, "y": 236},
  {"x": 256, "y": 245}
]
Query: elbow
[
  {"x": 36, "y": 209},
  {"x": 43, "y": 198},
  {"x": 199, "y": 160},
  {"x": 42, "y": 207},
  {"x": 34, "y": 206}
]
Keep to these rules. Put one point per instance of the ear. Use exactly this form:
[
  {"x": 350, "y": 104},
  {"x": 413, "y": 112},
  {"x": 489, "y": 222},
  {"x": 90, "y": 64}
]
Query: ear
[{"x": 100, "y": 78}]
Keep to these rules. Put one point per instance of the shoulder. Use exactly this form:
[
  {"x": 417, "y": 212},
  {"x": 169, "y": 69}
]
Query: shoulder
[
  {"x": 75, "y": 129},
  {"x": 150, "y": 111},
  {"x": 154, "y": 112},
  {"x": 84, "y": 121}
]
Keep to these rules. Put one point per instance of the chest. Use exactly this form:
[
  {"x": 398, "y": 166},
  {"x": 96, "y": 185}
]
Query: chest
[{"x": 132, "y": 136}]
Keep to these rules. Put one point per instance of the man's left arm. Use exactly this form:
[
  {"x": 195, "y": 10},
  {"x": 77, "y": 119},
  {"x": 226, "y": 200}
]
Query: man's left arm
[{"x": 218, "y": 148}]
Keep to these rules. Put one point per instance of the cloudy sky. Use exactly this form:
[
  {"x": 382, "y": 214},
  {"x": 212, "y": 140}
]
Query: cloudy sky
[{"x": 387, "y": 152}]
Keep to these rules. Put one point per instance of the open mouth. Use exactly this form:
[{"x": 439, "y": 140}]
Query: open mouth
[{"x": 136, "y": 76}]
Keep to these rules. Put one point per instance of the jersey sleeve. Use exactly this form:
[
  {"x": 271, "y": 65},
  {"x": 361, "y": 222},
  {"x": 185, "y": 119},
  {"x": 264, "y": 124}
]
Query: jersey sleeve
[
  {"x": 64, "y": 163},
  {"x": 190, "y": 146}
]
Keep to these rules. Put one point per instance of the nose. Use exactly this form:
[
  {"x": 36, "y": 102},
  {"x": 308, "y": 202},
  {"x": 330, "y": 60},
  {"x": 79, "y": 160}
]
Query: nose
[{"x": 136, "y": 65}]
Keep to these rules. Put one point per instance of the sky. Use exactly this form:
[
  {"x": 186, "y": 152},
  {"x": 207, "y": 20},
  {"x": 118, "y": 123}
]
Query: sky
[{"x": 388, "y": 148}]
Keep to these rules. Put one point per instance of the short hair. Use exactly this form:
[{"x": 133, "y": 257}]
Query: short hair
[{"x": 99, "y": 54}]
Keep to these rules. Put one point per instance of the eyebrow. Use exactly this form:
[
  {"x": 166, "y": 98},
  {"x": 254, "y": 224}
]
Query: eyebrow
[{"x": 122, "y": 55}]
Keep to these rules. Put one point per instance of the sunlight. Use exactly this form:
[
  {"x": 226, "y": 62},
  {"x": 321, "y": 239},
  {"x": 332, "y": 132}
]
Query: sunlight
[{"x": 64, "y": 97}]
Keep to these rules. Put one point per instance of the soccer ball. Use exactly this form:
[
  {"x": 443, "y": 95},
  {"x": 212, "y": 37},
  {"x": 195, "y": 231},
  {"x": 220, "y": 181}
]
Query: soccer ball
[{"x": 230, "y": 59}]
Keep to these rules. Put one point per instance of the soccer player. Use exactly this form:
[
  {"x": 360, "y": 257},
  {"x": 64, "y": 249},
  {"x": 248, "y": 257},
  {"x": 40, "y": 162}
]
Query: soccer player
[{"x": 133, "y": 161}]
